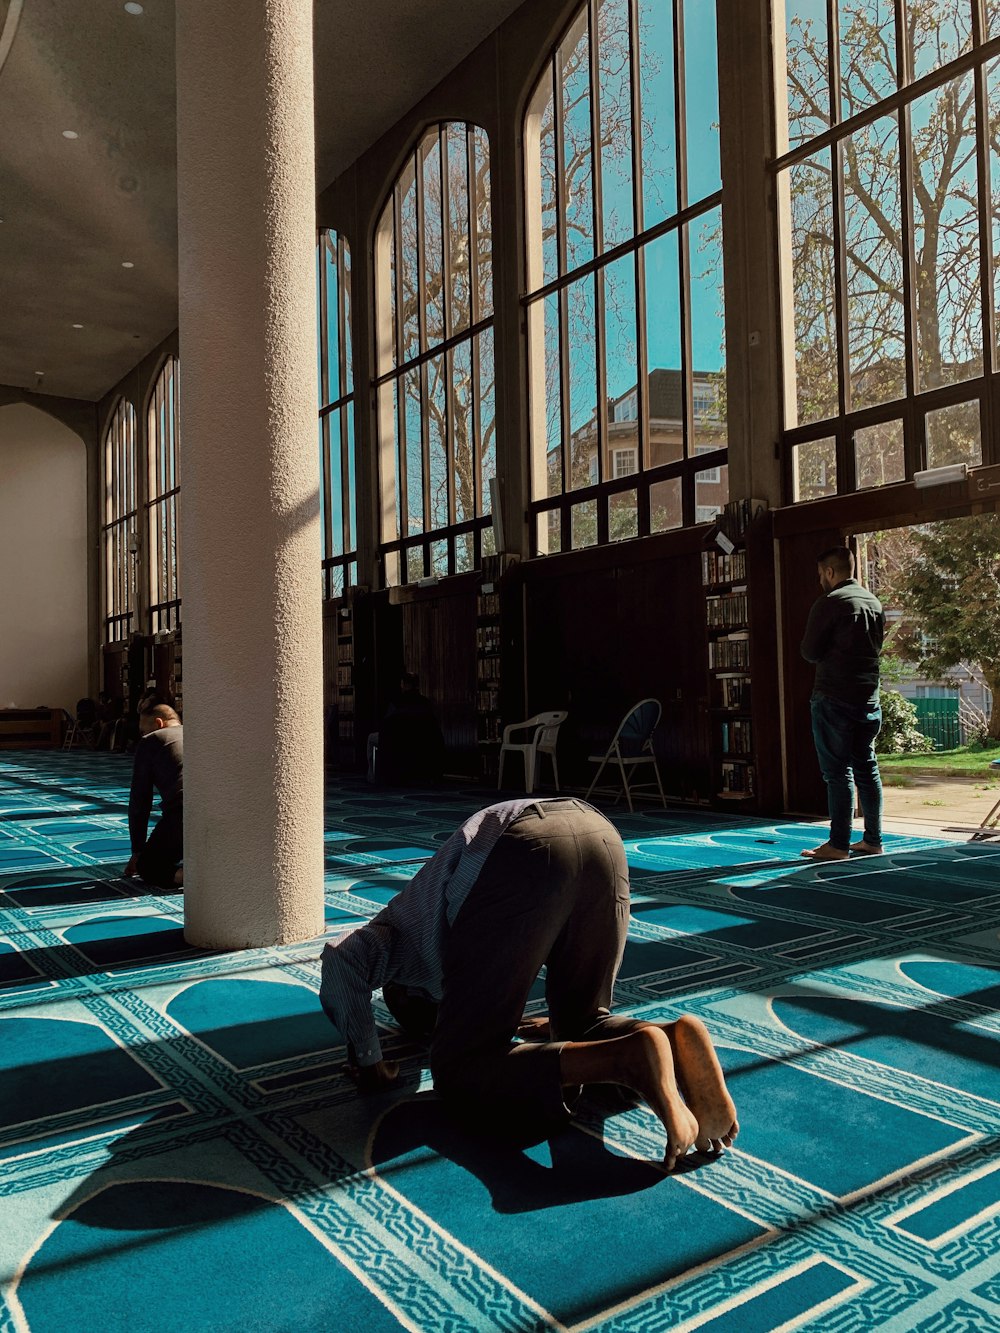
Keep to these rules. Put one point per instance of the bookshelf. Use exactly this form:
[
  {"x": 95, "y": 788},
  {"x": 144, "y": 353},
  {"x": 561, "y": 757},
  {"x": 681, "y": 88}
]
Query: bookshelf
[
  {"x": 343, "y": 685},
  {"x": 738, "y": 586}
]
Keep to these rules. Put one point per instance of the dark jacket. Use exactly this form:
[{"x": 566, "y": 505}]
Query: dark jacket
[
  {"x": 843, "y": 637},
  {"x": 159, "y": 766}
]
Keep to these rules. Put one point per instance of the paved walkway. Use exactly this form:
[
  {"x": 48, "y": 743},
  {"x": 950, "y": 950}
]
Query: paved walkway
[{"x": 931, "y": 801}]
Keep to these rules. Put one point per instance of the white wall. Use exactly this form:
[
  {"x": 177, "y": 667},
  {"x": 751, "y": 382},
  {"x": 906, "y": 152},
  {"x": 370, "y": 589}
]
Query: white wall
[{"x": 43, "y": 560}]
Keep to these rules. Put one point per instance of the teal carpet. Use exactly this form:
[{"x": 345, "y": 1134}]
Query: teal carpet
[{"x": 180, "y": 1151}]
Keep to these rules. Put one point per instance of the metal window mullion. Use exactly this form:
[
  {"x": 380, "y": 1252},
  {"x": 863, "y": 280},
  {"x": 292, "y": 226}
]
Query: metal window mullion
[
  {"x": 326, "y": 481},
  {"x": 844, "y": 455},
  {"x": 425, "y": 450},
  {"x": 600, "y": 380},
  {"x": 476, "y": 417},
  {"x": 446, "y": 293},
  {"x": 450, "y": 442},
  {"x": 642, "y": 387},
  {"x": 346, "y": 517},
  {"x": 472, "y": 239},
  {"x": 402, "y": 480},
  {"x": 596, "y": 174},
  {"x": 833, "y": 61},
  {"x": 913, "y": 451},
  {"x": 680, "y": 105},
  {"x": 421, "y": 226},
  {"x": 564, "y": 402},
  {"x": 635, "y": 90},
  {"x": 324, "y": 314},
  {"x": 397, "y": 274},
  {"x": 559, "y": 145},
  {"x": 686, "y": 368},
  {"x": 985, "y": 220}
]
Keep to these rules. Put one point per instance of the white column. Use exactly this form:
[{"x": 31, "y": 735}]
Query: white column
[{"x": 253, "y": 782}]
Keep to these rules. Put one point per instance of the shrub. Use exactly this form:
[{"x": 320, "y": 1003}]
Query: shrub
[{"x": 900, "y": 732}]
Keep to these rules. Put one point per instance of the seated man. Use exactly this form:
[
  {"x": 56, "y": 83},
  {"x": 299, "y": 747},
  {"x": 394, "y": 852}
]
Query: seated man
[
  {"x": 520, "y": 885},
  {"x": 159, "y": 766},
  {"x": 409, "y": 744}
]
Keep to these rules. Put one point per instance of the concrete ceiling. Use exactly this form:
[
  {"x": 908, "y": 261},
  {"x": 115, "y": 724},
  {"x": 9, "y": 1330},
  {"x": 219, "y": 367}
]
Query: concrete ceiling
[{"x": 75, "y": 211}]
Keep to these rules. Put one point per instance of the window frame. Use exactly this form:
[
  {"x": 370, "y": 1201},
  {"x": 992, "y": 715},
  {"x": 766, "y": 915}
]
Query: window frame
[
  {"x": 339, "y": 571},
  {"x": 162, "y": 501},
  {"x": 119, "y": 527}
]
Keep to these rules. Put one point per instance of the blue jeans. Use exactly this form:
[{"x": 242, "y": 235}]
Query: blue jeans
[{"x": 845, "y": 745}]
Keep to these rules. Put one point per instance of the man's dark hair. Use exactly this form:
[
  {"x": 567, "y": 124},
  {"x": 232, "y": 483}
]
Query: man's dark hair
[
  {"x": 838, "y": 558},
  {"x": 410, "y": 680},
  {"x": 162, "y": 711}
]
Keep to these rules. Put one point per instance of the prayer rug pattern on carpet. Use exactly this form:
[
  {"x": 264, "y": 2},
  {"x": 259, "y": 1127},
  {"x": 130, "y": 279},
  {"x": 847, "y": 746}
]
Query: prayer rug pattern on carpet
[{"x": 179, "y": 1147}]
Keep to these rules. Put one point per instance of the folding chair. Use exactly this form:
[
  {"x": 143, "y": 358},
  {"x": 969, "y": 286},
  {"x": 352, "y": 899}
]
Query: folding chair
[
  {"x": 545, "y": 733},
  {"x": 631, "y": 746}
]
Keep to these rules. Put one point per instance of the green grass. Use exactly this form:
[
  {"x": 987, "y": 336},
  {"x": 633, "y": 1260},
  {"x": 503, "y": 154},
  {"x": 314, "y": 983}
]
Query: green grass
[{"x": 963, "y": 762}]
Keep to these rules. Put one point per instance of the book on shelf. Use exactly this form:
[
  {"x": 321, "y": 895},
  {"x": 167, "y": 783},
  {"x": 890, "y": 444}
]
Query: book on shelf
[
  {"x": 731, "y": 653},
  {"x": 734, "y": 690},
  {"x": 737, "y": 779},
  {"x": 717, "y": 567}
]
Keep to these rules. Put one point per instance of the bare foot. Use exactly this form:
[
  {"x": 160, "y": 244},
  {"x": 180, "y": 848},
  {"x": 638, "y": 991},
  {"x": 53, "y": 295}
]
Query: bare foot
[
  {"x": 648, "y": 1067},
  {"x": 826, "y": 852},
  {"x": 703, "y": 1083}
]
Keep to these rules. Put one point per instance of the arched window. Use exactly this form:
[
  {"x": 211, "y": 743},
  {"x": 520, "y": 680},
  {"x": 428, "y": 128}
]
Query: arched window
[
  {"x": 120, "y": 512},
  {"x": 888, "y": 188},
  {"x": 624, "y": 276},
  {"x": 161, "y": 505},
  {"x": 435, "y": 358},
  {"x": 338, "y": 481}
]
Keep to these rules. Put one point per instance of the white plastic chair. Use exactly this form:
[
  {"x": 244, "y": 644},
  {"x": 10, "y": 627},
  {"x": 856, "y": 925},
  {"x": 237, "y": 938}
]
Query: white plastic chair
[
  {"x": 632, "y": 746},
  {"x": 545, "y": 732}
]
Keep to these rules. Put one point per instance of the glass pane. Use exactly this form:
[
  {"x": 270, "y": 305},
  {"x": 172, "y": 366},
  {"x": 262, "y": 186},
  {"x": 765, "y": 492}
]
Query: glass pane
[
  {"x": 583, "y": 525},
  {"x": 953, "y": 435},
  {"x": 623, "y": 516},
  {"x": 665, "y": 505},
  {"x": 319, "y": 318},
  {"x": 335, "y": 464},
  {"x": 412, "y": 399},
  {"x": 433, "y": 239},
  {"x": 460, "y": 391},
  {"x": 488, "y": 541},
  {"x": 615, "y": 66},
  {"x": 708, "y": 332},
  {"x": 936, "y": 31},
  {"x": 620, "y": 343},
  {"x": 543, "y": 260},
  {"x": 437, "y": 443},
  {"x": 577, "y": 166},
  {"x": 414, "y": 563},
  {"x": 487, "y": 418},
  {"x": 465, "y": 555},
  {"x": 701, "y": 93},
  {"x": 946, "y": 236},
  {"x": 324, "y": 465},
  {"x": 582, "y": 384},
  {"x": 337, "y": 581},
  {"x": 814, "y": 470},
  {"x": 664, "y": 387},
  {"x": 548, "y": 531},
  {"x": 807, "y": 64},
  {"x": 813, "y": 291},
  {"x": 867, "y": 53},
  {"x": 333, "y": 389},
  {"x": 439, "y": 557},
  {"x": 878, "y": 455},
  {"x": 657, "y": 85},
  {"x": 484, "y": 226},
  {"x": 407, "y": 262},
  {"x": 458, "y": 226},
  {"x": 711, "y": 491},
  {"x": 993, "y": 18},
  {"x": 874, "y": 264},
  {"x": 385, "y": 290}
]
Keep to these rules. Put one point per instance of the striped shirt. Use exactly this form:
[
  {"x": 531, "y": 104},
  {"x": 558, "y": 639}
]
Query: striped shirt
[{"x": 405, "y": 942}]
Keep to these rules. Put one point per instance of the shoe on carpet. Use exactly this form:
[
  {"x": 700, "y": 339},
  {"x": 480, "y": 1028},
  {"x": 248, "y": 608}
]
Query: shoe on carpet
[
  {"x": 826, "y": 852},
  {"x": 865, "y": 848}
]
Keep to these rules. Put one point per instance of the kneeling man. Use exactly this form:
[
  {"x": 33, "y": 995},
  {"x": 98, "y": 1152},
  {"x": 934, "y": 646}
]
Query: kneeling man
[
  {"x": 522, "y": 885},
  {"x": 159, "y": 766}
]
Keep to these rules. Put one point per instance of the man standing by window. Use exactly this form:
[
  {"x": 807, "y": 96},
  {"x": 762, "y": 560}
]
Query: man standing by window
[{"x": 843, "y": 638}]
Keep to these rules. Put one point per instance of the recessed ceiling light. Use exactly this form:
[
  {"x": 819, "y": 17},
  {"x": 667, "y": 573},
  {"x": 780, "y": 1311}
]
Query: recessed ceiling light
[
  {"x": 133, "y": 8},
  {"x": 70, "y": 134},
  {"x": 127, "y": 263},
  {"x": 78, "y": 326},
  {"x": 39, "y": 372}
]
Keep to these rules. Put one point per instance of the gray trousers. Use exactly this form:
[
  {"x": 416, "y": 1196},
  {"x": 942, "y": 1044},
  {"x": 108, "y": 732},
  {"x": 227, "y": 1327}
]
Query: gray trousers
[{"x": 554, "y": 892}]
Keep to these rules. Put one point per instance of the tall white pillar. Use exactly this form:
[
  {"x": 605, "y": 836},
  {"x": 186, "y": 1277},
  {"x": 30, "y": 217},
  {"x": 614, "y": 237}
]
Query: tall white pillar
[{"x": 253, "y": 782}]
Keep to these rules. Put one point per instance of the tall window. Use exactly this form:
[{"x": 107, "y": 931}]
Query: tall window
[
  {"x": 338, "y": 477},
  {"x": 887, "y": 117},
  {"x": 120, "y": 513},
  {"x": 161, "y": 505},
  {"x": 435, "y": 358},
  {"x": 624, "y": 275}
]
